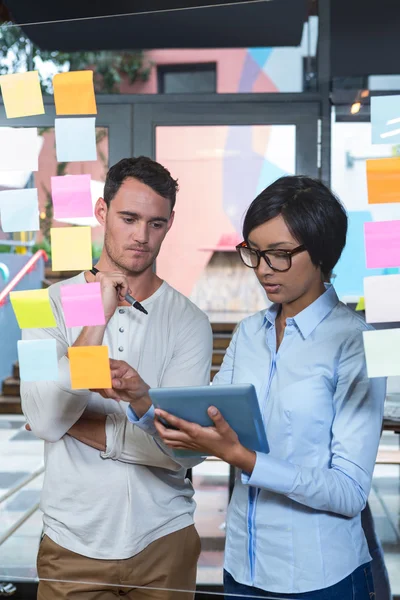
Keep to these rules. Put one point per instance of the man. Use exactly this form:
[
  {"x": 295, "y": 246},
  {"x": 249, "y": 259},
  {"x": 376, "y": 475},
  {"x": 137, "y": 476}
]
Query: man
[{"x": 109, "y": 525}]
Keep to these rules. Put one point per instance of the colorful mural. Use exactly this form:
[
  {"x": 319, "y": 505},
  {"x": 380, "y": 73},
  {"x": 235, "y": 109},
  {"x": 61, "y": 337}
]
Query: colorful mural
[{"x": 220, "y": 170}]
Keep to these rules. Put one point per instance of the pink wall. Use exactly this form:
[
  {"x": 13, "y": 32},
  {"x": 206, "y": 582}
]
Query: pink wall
[
  {"x": 231, "y": 64},
  {"x": 191, "y": 154}
]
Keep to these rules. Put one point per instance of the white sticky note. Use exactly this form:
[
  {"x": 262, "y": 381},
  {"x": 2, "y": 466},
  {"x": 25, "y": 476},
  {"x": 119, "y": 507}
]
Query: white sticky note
[
  {"x": 75, "y": 139},
  {"x": 382, "y": 352},
  {"x": 19, "y": 210},
  {"x": 38, "y": 360},
  {"x": 382, "y": 298},
  {"x": 19, "y": 149}
]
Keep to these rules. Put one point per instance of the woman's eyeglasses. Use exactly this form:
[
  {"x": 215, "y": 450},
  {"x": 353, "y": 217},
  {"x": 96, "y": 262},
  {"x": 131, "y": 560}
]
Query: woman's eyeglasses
[{"x": 277, "y": 260}]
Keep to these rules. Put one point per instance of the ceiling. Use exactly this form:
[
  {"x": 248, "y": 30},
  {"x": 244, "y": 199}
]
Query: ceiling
[{"x": 160, "y": 23}]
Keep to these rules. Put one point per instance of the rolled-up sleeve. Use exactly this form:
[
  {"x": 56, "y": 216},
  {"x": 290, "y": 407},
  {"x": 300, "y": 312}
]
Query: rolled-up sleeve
[
  {"x": 344, "y": 486},
  {"x": 132, "y": 445}
]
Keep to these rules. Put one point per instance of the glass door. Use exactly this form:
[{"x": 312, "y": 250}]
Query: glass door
[{"x": 223, "y": 154}]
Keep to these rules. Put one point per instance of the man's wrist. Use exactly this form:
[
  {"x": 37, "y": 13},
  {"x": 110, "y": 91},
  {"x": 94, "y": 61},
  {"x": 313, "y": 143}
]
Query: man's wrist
[
  {"x": 141, "y": 405},
  {"x": 92, "y": 335}
]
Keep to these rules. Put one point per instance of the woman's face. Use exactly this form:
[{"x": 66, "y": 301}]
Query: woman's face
[{"x": 302, "y": 281}]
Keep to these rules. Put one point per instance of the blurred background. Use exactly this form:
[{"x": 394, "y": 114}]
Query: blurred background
[{"x": 229, "y": 96}]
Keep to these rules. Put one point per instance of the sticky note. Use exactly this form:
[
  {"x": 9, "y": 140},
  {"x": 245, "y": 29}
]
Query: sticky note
[
  {"x": 382, "y": 299},
  {"x": 74, "y": 93},
  {"x": 22, "y": 95},
  {"x": 71, "y": 196},
  {"x": 383, "y": 180},
  {"x": 382, "y": 352},
  {"x": 38, "y": 360},
  {"x": 385, "y": 119},
  {"x": 71, "y": 248},
  {"x": 82, "y": 305},
  {"x": 75, "y": 139},
  {"x": 89, "y": 367},
  {"x": 19, "y": 149},
  {"x": 19, "y": 210},
  {"x": 382, "y": 244},
  {"x": 361, "y": 304},
  {"x": 32, "y": 309}
]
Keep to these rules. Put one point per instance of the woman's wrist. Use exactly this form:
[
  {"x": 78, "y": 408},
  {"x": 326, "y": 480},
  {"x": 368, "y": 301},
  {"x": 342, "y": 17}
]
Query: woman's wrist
[{"x": 243, "y": 459}]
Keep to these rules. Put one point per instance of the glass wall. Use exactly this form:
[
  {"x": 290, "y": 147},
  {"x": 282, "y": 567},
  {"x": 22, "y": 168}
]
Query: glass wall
[{"x": 351, "y": 147}]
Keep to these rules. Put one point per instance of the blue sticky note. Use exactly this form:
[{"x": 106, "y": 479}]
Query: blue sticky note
[
  {"x": 38, "y": 360},
  {"x": 19, "y": 210},
  {"x": 75, "y": 139},
  {"x": 385, "y": 119}
]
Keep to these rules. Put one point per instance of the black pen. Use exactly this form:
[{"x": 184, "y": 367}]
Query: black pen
[{"x": 135, "y": 303}]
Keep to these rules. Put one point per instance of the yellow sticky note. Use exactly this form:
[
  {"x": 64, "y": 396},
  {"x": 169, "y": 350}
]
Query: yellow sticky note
[
  {"x": 71, "y": 248},
  {"x": 32, "y": 309},
  {"x": 361, "y": 304},
  {"x": 74, "y": 93},
  {"x": 22, "y": 95},
  {"x": 89, "y": 367}
]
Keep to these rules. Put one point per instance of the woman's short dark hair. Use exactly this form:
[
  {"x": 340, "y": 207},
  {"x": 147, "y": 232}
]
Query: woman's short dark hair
[
  {"x": 312, "y": 213},
  {"x": 142, "y": 168}
]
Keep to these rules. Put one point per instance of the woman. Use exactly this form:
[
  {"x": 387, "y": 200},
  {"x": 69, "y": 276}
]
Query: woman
[{"x": 294, "y": 525}]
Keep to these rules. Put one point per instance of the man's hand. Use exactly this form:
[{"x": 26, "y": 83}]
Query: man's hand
[
  {"x": 220, "y": 441},
  {"x": 127, "y": 385},
  {"x": 114, "y": 287}
]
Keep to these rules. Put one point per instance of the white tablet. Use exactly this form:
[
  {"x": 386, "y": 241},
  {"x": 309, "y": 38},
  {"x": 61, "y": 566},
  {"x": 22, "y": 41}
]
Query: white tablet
[{"x": 238, "y": 404}]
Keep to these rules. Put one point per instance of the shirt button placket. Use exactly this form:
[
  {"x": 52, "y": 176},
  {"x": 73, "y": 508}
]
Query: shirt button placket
[{"x": 121, "y": 329}]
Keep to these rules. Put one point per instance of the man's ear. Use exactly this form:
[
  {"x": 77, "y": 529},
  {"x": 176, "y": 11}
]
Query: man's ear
[
  {"x": 100, "y": 211},
  {"x": 170, "y": 221}
]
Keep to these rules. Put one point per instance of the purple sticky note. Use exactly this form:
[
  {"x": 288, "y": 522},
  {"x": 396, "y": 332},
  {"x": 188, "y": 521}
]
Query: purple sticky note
[
  {"x": 382, "y": 244},
  {"x": 71, "y": 196},
  {"x": 82, "y": 304}
]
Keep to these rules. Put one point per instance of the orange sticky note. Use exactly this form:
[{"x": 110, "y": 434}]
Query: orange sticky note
[
  {"x": 71, "y": 248},
  {"x": 383, "y": 180},
  {"x": 74, "y": 93},
  {"x": 89, "y": 367},
  {"x": 22, "y": 95}
]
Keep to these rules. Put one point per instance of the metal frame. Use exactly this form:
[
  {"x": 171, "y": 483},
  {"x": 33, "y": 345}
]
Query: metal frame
[
  {"x": 208, "y": 111},
  {"x": 324, "y": 86},
  {"x": 131, "y": 120}
]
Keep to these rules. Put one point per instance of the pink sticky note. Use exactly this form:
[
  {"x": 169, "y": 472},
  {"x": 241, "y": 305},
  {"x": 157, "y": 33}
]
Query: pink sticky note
[
  {"x": 71, "y": 196},
  {"x": 382, "y": 244},
  {"x": 82, "y": 304}
]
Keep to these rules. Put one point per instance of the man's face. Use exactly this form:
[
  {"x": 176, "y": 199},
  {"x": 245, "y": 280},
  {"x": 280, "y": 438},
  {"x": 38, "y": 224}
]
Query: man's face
[{"x": 136, "y": 223}]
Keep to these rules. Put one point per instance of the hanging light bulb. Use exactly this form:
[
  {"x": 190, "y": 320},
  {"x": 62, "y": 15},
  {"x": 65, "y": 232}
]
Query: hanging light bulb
[{"x": 355, "y": 108}]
